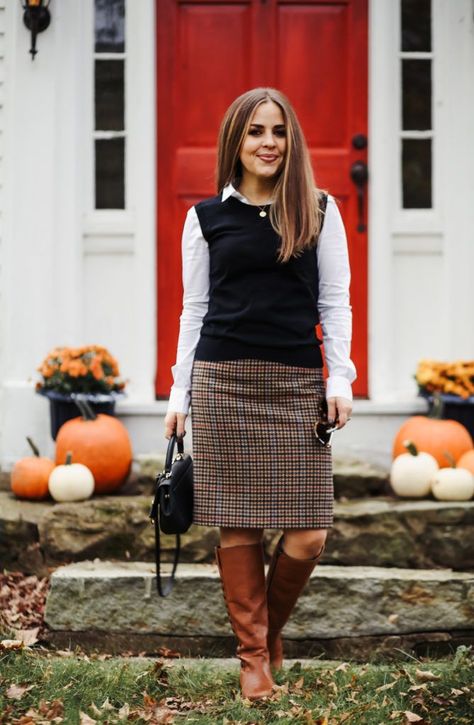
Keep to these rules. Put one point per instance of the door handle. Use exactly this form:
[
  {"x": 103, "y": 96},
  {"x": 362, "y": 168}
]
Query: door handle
[{"x": 360, "y": 175}]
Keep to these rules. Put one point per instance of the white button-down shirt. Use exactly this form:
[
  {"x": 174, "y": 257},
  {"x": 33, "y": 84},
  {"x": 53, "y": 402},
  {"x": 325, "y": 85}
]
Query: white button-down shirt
[{"x": 335, "y": 311}]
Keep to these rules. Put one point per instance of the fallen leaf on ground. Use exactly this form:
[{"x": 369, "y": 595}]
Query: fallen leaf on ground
[
  {"x": 124, "y": 711},
  {"x": 52, "y": 711},
  {"x": 94, "y": 709},
  {"x": 31, "y": 717},
  {"x": 442, "y": 700},
  {"x": 167, "y": 652},
  {"x": 412, "y": 716},
  {"x": 299, "y": 684},
  {"x": 426, "y": 675},
  {"x": 16, "y": 692},
  {"x": 22, "y": 601},
  {"x": 415, "y": 688},
  {"x": 7, "y": 644},
  {"x": 387, "y": 686},
  {"x": 164, "y": 715},
  {"x": 343, "y": 666},
  {"x": 84, "y": 719}
]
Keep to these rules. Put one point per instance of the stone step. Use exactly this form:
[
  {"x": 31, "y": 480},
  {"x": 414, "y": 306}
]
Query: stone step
[
  {"x": 376, "y": 531},
  {"x": 359, "y": 609},
  {"x": 389, "y": 531}
]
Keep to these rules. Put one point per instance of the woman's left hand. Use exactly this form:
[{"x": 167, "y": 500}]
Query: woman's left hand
[{"x": 340, "y": 408}]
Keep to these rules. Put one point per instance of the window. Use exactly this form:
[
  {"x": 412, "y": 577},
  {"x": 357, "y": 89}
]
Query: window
[
  {"x": 416, "y": 59},
  {"x": 109, "y": 104}
]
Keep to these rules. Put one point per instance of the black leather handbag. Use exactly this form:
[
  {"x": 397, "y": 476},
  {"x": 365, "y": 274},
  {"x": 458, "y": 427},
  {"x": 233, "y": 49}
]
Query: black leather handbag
[{"x": 172, "y": 508}]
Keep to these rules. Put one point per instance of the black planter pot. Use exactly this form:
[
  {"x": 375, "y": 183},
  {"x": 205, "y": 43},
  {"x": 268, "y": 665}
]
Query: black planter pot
[
  {"x": 455, "y": 408},
  {"x": 63, "y": 407}
]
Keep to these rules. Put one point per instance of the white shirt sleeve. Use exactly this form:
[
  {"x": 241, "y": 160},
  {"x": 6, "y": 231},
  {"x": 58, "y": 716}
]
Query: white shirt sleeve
[
  {"x": 335, "y": 311},
  {"x": 195, "y": 265}
]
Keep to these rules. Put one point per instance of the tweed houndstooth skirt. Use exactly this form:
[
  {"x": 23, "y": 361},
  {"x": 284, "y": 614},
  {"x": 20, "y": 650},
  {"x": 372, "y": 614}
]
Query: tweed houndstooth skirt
[{"x": 256, "y": 459}]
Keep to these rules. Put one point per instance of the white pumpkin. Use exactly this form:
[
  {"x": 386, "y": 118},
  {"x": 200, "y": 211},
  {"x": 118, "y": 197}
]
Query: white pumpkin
[
  {"x": 453, "y": 484},
  {"x": 411, "y": 472},
  {"x": 71, "y": 481}
]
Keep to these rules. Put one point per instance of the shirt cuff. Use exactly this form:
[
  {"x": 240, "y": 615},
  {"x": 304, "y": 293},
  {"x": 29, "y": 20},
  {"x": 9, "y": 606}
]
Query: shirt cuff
[
  {"x": 179, "y": 400},
  {"x": 338, "y": 386}
]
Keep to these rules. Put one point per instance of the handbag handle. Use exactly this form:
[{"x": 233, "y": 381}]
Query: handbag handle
[
  {"x": 170, "y": 450},
  {"x": 165, "y": 590}
]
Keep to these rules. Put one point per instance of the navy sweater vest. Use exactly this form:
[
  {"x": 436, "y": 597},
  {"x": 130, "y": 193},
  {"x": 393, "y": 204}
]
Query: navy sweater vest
[{"x": 258, "y": 307}]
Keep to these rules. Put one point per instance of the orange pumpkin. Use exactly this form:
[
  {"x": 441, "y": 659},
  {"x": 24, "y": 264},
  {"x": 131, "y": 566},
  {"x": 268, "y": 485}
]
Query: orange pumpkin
[
  {"x": 466, "y": 461},
  {"x": 100, "y": 442},
  {"x": 29, "y": 476},
  {"x": 435, "y": 436}
]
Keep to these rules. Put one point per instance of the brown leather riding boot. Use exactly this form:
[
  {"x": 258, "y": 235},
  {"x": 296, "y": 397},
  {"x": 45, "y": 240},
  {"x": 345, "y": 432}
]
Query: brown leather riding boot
[
  {"x": 242, "y": 573},
  {"x": 286, "y": 578}
]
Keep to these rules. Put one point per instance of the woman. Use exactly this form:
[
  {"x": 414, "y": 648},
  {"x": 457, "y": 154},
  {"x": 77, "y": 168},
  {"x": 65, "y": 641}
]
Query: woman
[{"x": 259, "y": 264}]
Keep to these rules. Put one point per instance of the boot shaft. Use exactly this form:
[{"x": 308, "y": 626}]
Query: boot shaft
[
  {"x": 286, "y": 579},
  {"x": 241, "y": 569}
]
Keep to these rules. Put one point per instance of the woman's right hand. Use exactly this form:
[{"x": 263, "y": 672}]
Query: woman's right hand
[{"x": 174, "y": 423}]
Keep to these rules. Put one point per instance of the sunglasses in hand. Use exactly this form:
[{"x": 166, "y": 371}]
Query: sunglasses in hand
[{"x": 323, "y": 428}]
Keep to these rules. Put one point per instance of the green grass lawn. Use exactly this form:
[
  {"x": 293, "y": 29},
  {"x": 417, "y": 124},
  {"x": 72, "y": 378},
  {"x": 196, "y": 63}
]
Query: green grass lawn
[{"x": 42, "y": 686}]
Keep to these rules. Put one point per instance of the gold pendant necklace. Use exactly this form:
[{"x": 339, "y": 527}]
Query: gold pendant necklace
[{"x": 262, "y": 213}]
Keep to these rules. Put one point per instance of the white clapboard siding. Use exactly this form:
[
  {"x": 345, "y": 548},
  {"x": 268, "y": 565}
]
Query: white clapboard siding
[{"x": 2, "y": 196}]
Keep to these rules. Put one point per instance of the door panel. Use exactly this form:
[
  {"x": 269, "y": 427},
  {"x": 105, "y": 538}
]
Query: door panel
[
  {"x": 316, "y": 79},
  {"x": 208, "y": 54}
]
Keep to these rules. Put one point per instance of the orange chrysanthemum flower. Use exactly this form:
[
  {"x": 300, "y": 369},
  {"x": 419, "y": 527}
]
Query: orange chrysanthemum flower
[
  {"x": 455, "y": 378},
  {"x": 87, "y": 369}
]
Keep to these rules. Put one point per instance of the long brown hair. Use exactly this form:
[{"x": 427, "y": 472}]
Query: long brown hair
[{"x": 295, "y": 213}]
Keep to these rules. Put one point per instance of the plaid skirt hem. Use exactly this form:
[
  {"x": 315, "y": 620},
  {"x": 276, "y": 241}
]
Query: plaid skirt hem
[{"x": 307, "y": 525}]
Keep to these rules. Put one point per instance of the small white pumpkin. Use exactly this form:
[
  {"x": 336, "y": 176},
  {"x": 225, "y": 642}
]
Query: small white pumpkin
[
  {"x": 411, "y": 472},
  {"x": 71, "y": 481},
  {"x": 453, "y": 484}
]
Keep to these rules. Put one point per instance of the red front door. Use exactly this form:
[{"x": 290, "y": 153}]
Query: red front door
[{"x": 208, "y": 54}]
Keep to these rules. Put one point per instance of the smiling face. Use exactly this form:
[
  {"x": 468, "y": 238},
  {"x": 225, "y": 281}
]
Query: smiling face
[{"x": 264, "y": 146}]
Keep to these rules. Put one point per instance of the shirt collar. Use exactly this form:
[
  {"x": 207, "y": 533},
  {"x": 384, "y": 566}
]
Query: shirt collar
[{"x": 230, "y": 190}]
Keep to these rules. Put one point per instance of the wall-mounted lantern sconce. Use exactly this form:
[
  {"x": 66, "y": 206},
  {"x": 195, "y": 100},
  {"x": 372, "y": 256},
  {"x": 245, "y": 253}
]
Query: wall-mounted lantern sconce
[{"x": 36, "y": 18}]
